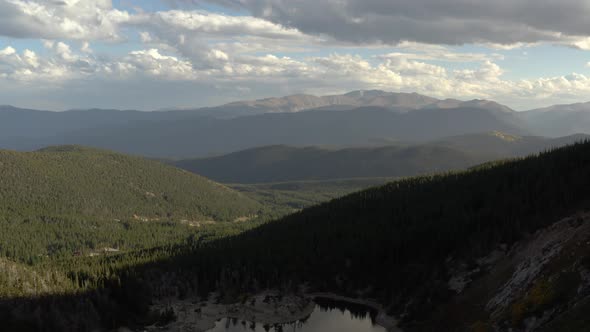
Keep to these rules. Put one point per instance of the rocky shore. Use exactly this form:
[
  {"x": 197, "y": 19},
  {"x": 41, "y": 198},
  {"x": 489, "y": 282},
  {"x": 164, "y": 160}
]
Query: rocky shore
[{"x": 266, "y": 308}]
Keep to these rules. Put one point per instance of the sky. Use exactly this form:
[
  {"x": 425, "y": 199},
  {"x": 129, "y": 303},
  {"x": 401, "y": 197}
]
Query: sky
[{"x": 167, "y": 54}]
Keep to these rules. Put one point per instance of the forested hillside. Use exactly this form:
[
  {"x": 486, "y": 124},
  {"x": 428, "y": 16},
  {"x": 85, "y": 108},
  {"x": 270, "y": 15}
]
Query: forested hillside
[
  {"x": 397, "y": 243},
  {"x": 279, "y": 163},
  {"x": 62, "y": 200},
  {"x": 284, "y": 163},
  {"x": 75, "y": 181},
  {"x": 393, "y": 241}
]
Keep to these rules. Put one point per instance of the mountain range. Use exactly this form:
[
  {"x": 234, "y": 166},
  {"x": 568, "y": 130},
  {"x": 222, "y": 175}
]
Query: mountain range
[
  {"x": 280, "y": 163},
  {"x": 559, "y": 120},
  {"x": 358, "y": 118},
  {"x": 97, "y": 240}
]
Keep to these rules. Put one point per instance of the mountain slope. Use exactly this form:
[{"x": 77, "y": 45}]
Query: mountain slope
[
  {"x": 405, "y": 243},
  {"x": 285, "y": 163},
  {"x": 394, "y": 101},
  {"x": 301, "y": 102},
  {"x": 28, "y": 129},
  {"x": 502, "y": 145},
  {"x": 353, "y": 119},
  {"x": 559, "y": 120},
  {"x": 501, "y": 247},
  {"x": 72, "y": 181},
  {"x": 197, "y": 137}
]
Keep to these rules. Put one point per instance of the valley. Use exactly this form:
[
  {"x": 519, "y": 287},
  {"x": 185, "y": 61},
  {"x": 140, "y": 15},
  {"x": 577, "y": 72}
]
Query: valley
[
  {"x": 203, "y": 264},
  {"x": 304, "y": 166},
  {"x": 386, "y": 215}
]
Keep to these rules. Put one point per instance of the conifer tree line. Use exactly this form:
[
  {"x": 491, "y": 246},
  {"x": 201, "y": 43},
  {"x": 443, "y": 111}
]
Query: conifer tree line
[{"x": 390, "y": 242}]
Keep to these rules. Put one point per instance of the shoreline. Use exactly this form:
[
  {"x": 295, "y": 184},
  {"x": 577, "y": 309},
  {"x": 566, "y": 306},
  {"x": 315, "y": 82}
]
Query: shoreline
[
  {"x": 383, "y": 319},
  {"x": 266, "y": 308}
]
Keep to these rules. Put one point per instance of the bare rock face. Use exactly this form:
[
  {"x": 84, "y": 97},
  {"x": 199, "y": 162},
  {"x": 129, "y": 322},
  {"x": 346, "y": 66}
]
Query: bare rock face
[
  {"x": 534, "y": 286},
  {"x": 533, "y": 257}
]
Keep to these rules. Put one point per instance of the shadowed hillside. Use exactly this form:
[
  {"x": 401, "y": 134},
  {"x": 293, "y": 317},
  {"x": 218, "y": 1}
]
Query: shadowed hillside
[
  {"x": 493, "y": 242},
  {"x": 285, "y": 163}
]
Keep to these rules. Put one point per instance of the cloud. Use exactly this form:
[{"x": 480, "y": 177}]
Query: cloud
[
  {"x": 9, "y": 50},
  {"x": 215, "y": 24},
  {"x": 69, "y": 19},
  {"x": 211, "y": 40},
  {"x": 152, "y": 63},
  {"x": 64, "y": 69},
  {"x": 453, "y": 22},
  {"x": 28, "y": 67},
  {"x": 281, "y": 48},
  {"x": 417, "y": 51}
]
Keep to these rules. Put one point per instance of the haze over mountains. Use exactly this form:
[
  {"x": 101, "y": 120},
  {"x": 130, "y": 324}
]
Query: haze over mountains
[
  {"x": 279, "y": 163},
  {"x": 559, "y": 120},
  {"x": 284, "y": 163},
  {"x": 359, "y": 118}
]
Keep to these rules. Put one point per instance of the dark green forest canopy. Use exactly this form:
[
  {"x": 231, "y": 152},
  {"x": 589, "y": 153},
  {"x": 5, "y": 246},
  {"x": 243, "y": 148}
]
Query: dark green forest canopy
[
  {"x": 394, "y": 240},
  {"x": 68, "y": 200},
  {"x": 72, "y": 181},
  {"x": 391, "y": 242}
]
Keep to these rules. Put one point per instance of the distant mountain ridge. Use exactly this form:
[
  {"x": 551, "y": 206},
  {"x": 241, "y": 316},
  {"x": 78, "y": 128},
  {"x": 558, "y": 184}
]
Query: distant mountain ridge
[
  {"x": 395, "y": 101},
  {"x": 195, "y": 137},
  {"x": 559, "y": 120},
  {"x": 281, "y": 163},
  {"x": 357, "y": 118},
  {"x": 285, "y": 163}
]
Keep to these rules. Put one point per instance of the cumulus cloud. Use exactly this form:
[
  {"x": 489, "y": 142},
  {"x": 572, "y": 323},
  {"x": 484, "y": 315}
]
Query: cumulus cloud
[
  {"x": 210, "y": 40},
  {"x": 152, "y": 63},
  {"x": 53, "y": 19},
  {"x": 28, "y": 67},
  {"x": 281, "y": 47},
  {"x": 63, "y": 66}
]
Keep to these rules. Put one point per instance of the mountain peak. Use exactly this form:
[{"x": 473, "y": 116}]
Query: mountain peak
[{"x": 366, "y": 93}]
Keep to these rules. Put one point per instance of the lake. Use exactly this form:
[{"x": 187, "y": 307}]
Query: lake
[{"x": 328, "y": 315}]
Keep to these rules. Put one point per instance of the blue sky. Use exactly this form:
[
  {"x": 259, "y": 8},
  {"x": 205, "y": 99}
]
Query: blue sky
[{"x": 155, "y": 54}]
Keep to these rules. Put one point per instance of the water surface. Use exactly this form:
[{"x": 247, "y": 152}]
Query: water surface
[{"x": 328, "y": 316}]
